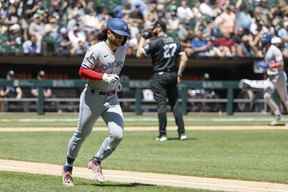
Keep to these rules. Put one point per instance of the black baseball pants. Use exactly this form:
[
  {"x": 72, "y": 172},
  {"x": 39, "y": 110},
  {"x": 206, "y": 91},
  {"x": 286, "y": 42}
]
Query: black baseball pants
[{"x": 164, "y": 86}]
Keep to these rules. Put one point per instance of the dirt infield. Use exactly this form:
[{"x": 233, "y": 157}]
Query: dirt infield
[
  {"x": 146, "y": 128},
  {"x": 148, "y": 178}
]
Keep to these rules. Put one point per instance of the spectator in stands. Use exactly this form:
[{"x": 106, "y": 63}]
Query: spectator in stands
[
  {"x": 76, "y": 8},
  {"x": 81, "y": 48},
  {"x": 47, "y": 92},
  {"x": 118, "y": 11},
  {"x": 92, "y": 37},
  {"x": 73, "y": 22},
  {"x": 225, "y": 46},
  {"x": 89, "y": 21},
  {"x": 76, "y": 35},
  {"x": 51, "y": 36},
  {"x": 103, "y": 15},
  {"x": 203, "y": 94},
  {"x": 37, "y": 26},
  {"x": 248, "y": 45},
  {"x": 199, "y": 45},
  {"x": 31, "y": 7},
  {"x": 63, "y": 45},
  {"x": 226, "y": 21},
  {"x": 134, "y": 34},
  {"x": 173, "y": 23},
  {"x": 11, "y": 15},
  {"x": 283, "y": 33},
  {"x": 243, "y": 19},
  {"x": 15, "y": 39},
  {"x": 184, "y": 12},
  {"x": 44, "y": 19},
  {"x": 32, "y": 46},
  {"x": 206, "y": 9},
  {"x": 140, "y": 8},
  {"x": 13, "y": 91}
]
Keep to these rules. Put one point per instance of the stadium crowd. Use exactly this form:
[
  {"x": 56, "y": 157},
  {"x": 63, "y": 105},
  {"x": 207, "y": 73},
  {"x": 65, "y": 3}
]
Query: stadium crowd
[{"x": 217, "y": 28}]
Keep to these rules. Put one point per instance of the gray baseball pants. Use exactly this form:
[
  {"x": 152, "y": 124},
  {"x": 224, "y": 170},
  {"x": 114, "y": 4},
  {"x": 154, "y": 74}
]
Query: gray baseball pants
[
  {"x": 280, "y": 85},
  {"x": 92, "y": 106}
]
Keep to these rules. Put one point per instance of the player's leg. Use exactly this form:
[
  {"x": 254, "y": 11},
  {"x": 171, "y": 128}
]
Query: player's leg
[
  {"x": 172, "y": 93},
  {"x": 281, "y": 87},
  {"x": 268, "y": 92},
  {"x": 114, "y": 119},
  {"x": 87, "y": 117},
  {"x": 160, "y": 97}
]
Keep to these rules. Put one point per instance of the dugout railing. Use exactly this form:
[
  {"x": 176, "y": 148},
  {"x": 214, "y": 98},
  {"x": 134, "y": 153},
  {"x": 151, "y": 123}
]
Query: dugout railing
[{"x": 136, "y": 85}]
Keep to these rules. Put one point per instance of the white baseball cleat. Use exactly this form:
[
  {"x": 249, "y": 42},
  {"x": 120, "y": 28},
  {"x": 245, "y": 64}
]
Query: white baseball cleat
[
  {"x": 277, "y": 121},
  {"x": 183, "y": 137},
  {"x": 95, "y": 166},
  {"x": 161, "y": 138},
  {"x": 67, "y": 179}
]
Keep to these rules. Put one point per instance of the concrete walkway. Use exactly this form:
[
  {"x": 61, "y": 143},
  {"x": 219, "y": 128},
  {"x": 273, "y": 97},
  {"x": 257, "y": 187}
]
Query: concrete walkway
[{"x": 213, "y": 184}]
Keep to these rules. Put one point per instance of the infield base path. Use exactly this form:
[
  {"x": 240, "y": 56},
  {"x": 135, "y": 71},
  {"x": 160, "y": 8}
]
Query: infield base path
[{"x": 213, "y": 184}]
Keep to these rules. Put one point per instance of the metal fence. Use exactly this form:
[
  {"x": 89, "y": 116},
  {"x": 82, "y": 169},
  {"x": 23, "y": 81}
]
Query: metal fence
[{"x": 132, "y": 98}]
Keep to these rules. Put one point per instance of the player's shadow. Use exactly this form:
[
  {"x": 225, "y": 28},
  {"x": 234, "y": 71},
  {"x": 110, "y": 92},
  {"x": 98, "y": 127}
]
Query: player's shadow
[
  {"x": 176, "y": 138},
  {"x": 108, "y": 184}
]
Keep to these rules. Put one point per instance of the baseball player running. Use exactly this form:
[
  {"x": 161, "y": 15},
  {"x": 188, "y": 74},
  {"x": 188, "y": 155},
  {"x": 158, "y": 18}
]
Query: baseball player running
[
  {"x": 276, "y": 80},
  {"x": 101, "y": 67}
]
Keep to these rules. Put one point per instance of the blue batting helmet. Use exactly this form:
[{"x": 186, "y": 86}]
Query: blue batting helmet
[{"x": 118, "y": 26}]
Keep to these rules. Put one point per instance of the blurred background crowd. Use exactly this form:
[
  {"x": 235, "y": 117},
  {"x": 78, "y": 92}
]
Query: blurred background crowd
[{"x": 214, "y": 28}]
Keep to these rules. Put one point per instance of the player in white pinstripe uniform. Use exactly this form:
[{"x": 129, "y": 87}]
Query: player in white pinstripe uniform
[
  {"x": 276, "y": 81},
  {"x": 101, "y": 67}
]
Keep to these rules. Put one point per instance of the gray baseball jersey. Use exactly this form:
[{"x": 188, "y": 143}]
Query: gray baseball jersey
[
  {"x": 278, "y": 79},
  {"x": 274, "y": 54},
  {"x": 101, "y": 59},
  {"x": 94, "y": 102}
]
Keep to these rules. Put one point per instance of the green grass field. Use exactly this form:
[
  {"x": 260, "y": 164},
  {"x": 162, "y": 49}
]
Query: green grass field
[
  {"x": 259, "y": 155},
  {"x": 70, "y": 120},
  {"x": 248, "y": 155}
]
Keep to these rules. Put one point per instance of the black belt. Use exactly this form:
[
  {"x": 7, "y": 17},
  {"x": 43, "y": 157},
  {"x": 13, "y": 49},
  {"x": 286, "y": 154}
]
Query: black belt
[{"x": 107, "y": 93}]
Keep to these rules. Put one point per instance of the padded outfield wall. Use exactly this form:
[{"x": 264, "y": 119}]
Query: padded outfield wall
[{"x": 26, "y": 67}]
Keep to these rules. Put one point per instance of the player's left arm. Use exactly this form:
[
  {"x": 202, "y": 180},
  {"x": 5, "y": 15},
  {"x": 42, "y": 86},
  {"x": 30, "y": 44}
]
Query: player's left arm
[{"x": 182, "y": 65}]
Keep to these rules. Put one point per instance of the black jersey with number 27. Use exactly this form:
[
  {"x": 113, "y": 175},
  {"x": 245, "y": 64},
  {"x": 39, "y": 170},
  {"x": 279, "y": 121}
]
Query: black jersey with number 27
[{"x": 164, "y": 52}]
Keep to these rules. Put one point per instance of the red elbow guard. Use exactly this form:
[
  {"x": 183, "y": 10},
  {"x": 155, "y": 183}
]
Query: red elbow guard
[
  {"x": 274, "y": 65},
  {"x": 90, "y": 74}
]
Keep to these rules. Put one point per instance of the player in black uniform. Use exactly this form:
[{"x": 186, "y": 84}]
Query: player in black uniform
[{"x": 166, "y": 54}]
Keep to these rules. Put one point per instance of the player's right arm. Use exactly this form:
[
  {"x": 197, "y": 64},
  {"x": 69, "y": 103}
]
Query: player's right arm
[
  {"x": 88, "y": 64},
  {"x": 86, "y": 69},
  {"x": 140, "y": 49},
  {"x": 277, "y": 62},
  {"x": 90, "y": 74}
]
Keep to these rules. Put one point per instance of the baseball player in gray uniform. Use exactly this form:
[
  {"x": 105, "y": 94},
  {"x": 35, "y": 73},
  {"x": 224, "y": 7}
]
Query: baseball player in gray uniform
[
  {"x": 101, "y": 67},
  {"x": 276, "y": 80}
]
